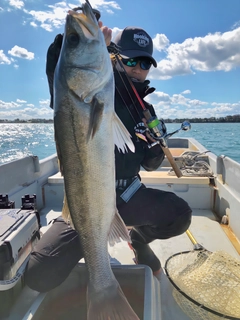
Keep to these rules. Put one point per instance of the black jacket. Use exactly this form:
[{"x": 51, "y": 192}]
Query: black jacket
[{"x": 128, "y": 164}]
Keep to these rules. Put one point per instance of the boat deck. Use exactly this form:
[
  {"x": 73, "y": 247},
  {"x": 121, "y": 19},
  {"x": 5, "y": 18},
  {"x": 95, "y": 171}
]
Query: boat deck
[{"x": 204, "y": 227}]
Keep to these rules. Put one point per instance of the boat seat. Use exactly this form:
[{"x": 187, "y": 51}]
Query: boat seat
[
  {"x": 57, "y": 178},
  {"x": 184, "y": 187},
  {"x": 162, "y": 177},
  {"x": 153, "y": 177}
]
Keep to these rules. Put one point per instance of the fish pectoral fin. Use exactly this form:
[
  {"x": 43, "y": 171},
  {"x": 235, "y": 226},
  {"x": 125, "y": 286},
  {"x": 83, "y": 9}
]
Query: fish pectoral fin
[
  {"x": 95, "y": 117},
  {"x": 121, "y": 136},
  {"x": 109, "y": 303},
  {"x": 118, "y": 230}
]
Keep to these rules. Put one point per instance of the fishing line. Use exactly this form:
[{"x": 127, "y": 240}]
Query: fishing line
[
  {"x": 126, "y": 105},
  {"x": 131, "y": 84},
  {"x": 118, "y": 60}
]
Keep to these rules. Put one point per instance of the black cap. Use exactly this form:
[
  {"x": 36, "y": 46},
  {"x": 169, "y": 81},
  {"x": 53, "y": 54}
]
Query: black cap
[{"x": 135, "y": 42}]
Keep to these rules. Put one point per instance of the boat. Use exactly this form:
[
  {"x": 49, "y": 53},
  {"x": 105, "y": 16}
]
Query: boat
[{"x": 210, "y": 184}]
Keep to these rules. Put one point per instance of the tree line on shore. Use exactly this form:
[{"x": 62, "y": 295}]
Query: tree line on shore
[
  {"x": 27, "y": 121},
  {"x": 234, "y": 118}
]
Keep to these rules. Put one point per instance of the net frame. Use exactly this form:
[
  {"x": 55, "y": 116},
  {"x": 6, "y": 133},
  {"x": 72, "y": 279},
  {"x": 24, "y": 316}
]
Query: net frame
[{"x": 216, "y": 315}]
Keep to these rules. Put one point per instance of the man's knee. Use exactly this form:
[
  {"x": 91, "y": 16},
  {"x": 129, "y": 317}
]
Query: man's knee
[
  {"x": 53, "y": 258},
  {"x": 183, "y": 222},
  {"x": 41, "y": 274}
]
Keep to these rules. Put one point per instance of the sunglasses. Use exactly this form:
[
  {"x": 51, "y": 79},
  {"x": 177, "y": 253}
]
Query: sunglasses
[{"x": 145, "y": 63}]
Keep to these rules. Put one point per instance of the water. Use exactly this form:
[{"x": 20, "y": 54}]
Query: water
[
  {"x": 219, "y": 138},
  {"x": 24, "y": 139},
  {"x": 19, "y": 140}
]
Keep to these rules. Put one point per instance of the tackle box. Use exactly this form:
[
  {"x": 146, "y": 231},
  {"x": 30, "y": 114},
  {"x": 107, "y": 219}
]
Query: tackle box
[{"x": 19, "y": 231}]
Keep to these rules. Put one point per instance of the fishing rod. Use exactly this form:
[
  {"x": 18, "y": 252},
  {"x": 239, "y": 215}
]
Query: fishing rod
[{"x": 155, "y": 126}]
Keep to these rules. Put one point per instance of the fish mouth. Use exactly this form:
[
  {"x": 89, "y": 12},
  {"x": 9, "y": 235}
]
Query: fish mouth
[{"x": 86, "y": 20}]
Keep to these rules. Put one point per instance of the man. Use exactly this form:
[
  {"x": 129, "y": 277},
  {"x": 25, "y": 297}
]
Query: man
[{"x": 154, "y": 214}]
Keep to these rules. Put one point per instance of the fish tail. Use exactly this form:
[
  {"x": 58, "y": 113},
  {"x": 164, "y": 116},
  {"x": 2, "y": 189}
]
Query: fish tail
[{"x": 110, "y": 304}]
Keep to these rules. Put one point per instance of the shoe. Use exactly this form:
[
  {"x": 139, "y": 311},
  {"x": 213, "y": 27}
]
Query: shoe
[{"x": 143, "y": 253}]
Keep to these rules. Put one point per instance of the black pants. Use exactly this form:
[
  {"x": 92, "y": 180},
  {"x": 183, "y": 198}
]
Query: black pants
[{"x": 158, "y": 214}]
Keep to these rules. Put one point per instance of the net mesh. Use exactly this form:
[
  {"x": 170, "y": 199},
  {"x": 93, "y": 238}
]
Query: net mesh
[{"x": 211, "y": 280}]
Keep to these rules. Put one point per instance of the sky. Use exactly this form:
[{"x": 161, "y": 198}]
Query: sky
[{"x": 196, "y": 45}]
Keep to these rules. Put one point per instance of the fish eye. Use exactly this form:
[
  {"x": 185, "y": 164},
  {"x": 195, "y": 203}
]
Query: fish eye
[{"x": 73, "y": 39}]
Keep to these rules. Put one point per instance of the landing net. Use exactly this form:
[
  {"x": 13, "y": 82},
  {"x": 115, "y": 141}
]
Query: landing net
[{"x": 206, "y": 285}]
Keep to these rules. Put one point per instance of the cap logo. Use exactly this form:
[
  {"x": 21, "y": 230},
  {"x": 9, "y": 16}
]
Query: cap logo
[{"x": 141, "y": 39}]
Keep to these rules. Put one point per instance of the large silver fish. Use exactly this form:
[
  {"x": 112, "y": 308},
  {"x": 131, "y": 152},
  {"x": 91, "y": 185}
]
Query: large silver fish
[{"x": 86, "y": 128}]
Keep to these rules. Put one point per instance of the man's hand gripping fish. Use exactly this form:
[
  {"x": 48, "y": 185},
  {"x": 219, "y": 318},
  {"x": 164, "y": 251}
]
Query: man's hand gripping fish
[{"x": 86, "y": 129}]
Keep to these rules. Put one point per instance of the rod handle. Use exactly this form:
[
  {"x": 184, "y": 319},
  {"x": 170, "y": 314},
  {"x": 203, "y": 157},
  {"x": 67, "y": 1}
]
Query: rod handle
[{"x": 173, "y": 163}]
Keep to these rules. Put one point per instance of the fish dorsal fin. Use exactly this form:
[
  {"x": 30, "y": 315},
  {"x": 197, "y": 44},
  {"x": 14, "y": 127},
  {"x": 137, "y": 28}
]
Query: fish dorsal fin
[
  {"x": 95, "y": 117},
  {"x": 118, "y": 230},
  {"x": 121, "y": 136}
]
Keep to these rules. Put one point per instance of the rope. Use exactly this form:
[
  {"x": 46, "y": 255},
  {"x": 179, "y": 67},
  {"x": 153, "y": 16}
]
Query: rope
[{"x": 193, "y": 165}]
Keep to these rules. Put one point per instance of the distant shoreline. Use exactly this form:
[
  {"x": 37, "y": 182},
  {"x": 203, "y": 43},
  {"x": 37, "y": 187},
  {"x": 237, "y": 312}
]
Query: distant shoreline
[
  {"x": 227, "y": 119},
  {"x": 27, "y": 121}
]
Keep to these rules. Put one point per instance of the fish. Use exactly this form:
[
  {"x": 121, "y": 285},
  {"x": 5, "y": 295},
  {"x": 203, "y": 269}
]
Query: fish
[{"x": 86, "y": 131}]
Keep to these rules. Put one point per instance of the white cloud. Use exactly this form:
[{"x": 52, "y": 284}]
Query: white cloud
[
  {"x": 50, "y": 19},
  {"x": 160, "y": 42},
  {"x": 115, "y": 31},
  {"x": 168, "y": 68},
  {"x": 218, "y": 51},
  {"x": 178, "y": 106},
  {"x": 16, "y": 4},
  {"x": 33, "y": 24},
  {"x": 8, "y": 105},
  {"x": 229, "y": 108},
  {"x": 12, "y": 110},
  {"x": 196, "y": 103},
  {"x": 3, "y": 58},
  {"x": 236, "y": 25},
  {"x": 32, "y": 112},
  {"x": 108, "y": 6},
  {"x": 45, "y": 112},
  {"x": 19, "y": 52},
  {"x": 158, "y": 98},
  {"x": 186, "y": 92},
  {"x": 44, "y": 102},
  {"x": 55, "y": 16}
]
